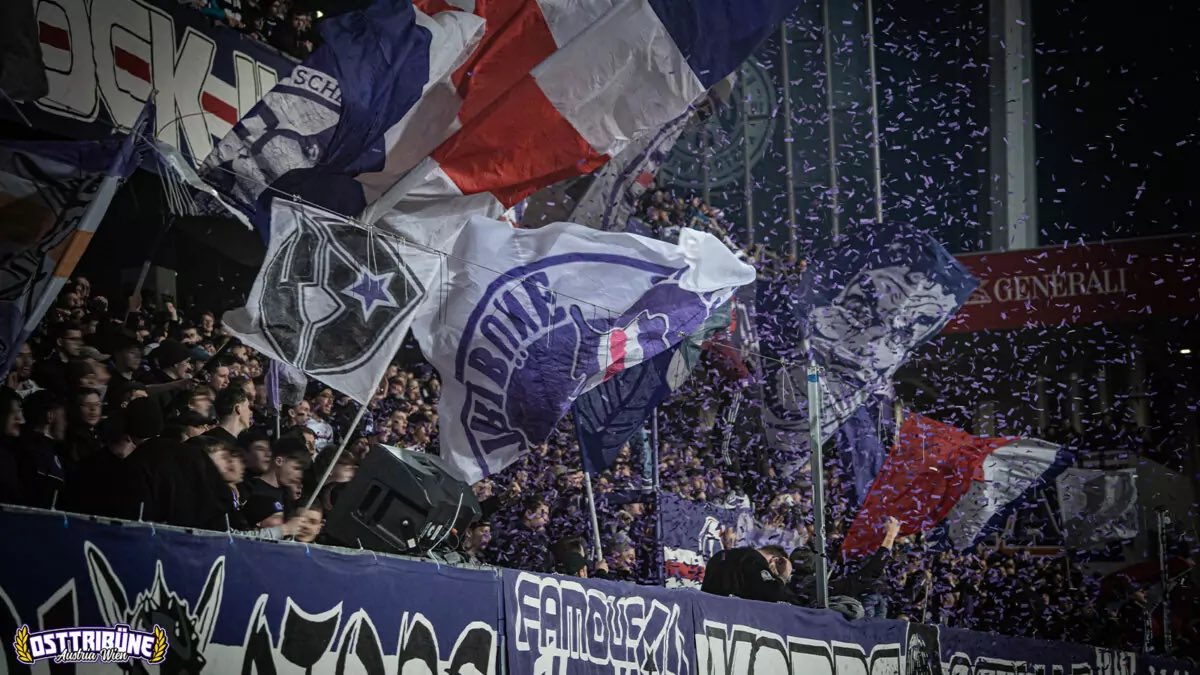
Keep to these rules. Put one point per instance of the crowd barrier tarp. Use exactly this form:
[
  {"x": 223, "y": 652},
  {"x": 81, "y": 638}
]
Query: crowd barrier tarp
[
  {"x": 556, "y": 624},
  {"x": 234, "y": 605},
  {"x": 736, "y": 636},
  {"x": 103, "y": 59}
]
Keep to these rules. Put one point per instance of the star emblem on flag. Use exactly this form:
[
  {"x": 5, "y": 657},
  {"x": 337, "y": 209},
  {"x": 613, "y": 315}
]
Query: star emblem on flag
[{"x": 372, "y": 291}]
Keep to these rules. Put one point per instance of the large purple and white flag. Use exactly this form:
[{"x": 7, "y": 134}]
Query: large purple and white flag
[
  {"x": 865, "y": 305},
  {"x": 524, "y": 321},
  {"x": 691, "y": 536}
]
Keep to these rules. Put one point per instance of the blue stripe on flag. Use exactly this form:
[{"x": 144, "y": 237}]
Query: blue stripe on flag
[
  {"x": 609, "y": 415},
  {"x": 716, "y": 36},
  {"x": 323, "y": 126}
]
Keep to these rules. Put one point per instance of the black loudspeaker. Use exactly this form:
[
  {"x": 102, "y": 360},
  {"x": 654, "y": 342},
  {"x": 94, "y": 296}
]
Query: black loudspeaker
[{"x": 401, "y": 502}]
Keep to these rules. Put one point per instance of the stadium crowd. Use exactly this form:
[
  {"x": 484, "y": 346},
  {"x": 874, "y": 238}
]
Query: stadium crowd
[
  {"x": 151, "y": 413},
  {"x": 274, "y": 22}
]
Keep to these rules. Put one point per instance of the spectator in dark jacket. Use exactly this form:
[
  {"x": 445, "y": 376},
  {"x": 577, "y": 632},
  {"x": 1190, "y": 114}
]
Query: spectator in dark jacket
[
  {"x": 51, "y": 371},
  {"x": 751, "y": 574},
  {"x": 41, "y": 468},
  {"x": 108, "y": 483},
  {"x": 11, "y": 488},
  {"x": 172, "y": 377}
]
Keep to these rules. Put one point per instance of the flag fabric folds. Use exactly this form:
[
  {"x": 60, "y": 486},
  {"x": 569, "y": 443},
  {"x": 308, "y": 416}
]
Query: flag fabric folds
[
  {"x": 337, "y": 117},
  {"x": 939, "y": 473},
  {"x": 407, "y": 110},
  {"x": 862, "y": 442},
  {"x": 556, "y": 89},
  {"x": 333, "y": 299},
  {"x": 691, "y": 536},
  {"x": 53, "y": 196},
  {"x": 525, "y": 321},
  {"x": 607, "y": 198},
  {"x": 1097, "y": 506},
  {"x": 864, "y": 306},
  {"x": 607, "y": 416},
  {"x": 285, "y": 385}
]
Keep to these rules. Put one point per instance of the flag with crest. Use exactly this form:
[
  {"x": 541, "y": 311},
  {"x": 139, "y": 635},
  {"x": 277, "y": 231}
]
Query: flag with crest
[
  {"x": 427, "y": 112},
  {"x": 333, "y": 299},
  {"x": 525, "y": 321},
  {"x": 864, "y": 305}
]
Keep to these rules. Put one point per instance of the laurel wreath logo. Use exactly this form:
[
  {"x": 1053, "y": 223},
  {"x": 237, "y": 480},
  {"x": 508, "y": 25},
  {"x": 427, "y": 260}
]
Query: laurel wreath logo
[
  {"x": 159, "y": 653},
  {"x": 21, "y": 645}
]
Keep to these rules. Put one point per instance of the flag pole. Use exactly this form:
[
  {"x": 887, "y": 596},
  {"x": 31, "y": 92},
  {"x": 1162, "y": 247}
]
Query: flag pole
[
  {"x": 396, "y": 193},
  {"x": 817, "y": 462},
  {"x": 591, "y": 498},
  {"x": 1162, "y": 520},
  {"x": 358, "y": 417},
  {"x": 654, "y": 449},
  {"x": 660, "y": 559}
]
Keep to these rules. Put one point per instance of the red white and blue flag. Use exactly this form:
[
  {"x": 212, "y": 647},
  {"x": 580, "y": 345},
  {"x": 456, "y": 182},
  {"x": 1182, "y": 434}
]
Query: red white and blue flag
[
  {"x": 455, "y": 107},
  {"x": 556, "y": 88},
  {"x": 938, "y": 473}
]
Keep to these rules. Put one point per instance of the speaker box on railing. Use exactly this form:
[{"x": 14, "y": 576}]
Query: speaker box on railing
[{"x": 401, "y": 502}]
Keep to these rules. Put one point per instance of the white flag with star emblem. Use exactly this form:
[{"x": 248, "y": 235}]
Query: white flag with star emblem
[{"x": 333, "y": 298}]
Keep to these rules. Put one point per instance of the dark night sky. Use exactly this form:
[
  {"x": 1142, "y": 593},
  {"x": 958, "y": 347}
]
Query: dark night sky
[
  {"x": 1117, "y": 88},
  {"x": 1118, "y": 111}
]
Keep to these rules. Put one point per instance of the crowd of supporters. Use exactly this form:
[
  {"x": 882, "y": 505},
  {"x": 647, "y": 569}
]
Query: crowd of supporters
[
  {"x": 275, "y": 22},
  {"x": 149, "y": 412}
]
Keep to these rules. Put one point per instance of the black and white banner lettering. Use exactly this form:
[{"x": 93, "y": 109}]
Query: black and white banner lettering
[
  {"x": 234, "y": 605},
  {"x": 104, "y": 57},
  {"x": 559, "y": 625}
]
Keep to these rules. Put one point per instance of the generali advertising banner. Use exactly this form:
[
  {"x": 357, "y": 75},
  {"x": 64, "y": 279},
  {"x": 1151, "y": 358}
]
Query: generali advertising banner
[
  {"x": 1083, "y": 283},
  {"x": 104, "y": 57}
]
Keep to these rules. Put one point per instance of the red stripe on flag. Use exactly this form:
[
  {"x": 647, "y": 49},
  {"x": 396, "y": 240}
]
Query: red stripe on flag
[
  {"x": 522, "y": 145},
  {"x": 516, "y": 38},
  {"x": 432, "y": 7},
  {"x": 616, "y": 353},
  {"x": 684, "y": 571},
  {"x": 217, "y": 107},
  {"x": 54, "y": 36},
  {"x": 920, "y": 482},
  {"x": 132, "y": 64}
]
